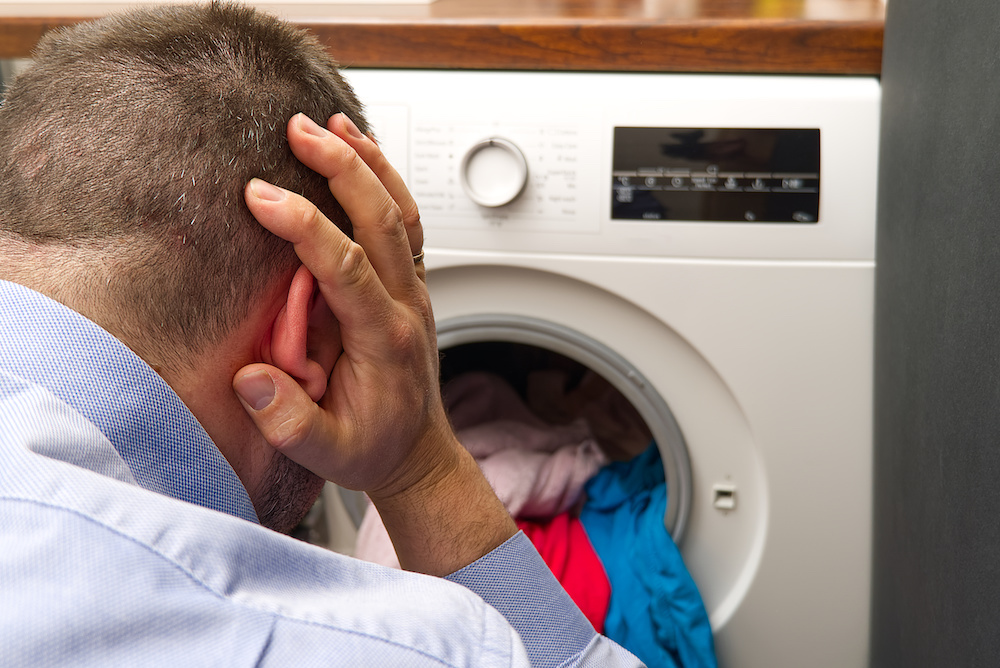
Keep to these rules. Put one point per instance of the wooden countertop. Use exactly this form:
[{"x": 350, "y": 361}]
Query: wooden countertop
[{"x": 766, "y": 36}]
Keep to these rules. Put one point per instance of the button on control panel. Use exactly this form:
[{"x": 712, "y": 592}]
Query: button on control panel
[
  {"x": 494, "y": 172},
  {"x": 516, "y": 177}
]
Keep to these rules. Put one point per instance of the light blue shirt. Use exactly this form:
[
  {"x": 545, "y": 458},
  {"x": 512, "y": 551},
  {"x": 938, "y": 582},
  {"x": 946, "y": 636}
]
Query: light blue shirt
[{"x": 126, "y": 539}]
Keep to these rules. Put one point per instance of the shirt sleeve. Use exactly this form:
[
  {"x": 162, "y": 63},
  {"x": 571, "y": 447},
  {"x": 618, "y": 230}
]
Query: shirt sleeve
[{"x": 514, "y": 579}]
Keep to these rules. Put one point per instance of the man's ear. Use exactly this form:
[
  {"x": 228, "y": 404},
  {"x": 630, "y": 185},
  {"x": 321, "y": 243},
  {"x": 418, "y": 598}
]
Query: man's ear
[{"x": 305, "y": 336}]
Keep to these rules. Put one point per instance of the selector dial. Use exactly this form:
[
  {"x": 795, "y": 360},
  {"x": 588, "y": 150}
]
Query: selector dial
[{"x": 494, "y": 172}]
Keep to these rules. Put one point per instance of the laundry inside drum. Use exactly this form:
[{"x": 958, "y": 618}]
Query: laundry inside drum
[{"x": 510, "y": 382}]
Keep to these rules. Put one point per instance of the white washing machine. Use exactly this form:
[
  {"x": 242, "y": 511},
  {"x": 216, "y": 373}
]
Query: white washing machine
[{"x": 705, "y": 243}]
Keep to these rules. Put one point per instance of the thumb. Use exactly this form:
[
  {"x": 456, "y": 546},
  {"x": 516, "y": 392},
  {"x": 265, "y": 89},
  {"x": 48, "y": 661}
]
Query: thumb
[{"x": 281, "y": 409}]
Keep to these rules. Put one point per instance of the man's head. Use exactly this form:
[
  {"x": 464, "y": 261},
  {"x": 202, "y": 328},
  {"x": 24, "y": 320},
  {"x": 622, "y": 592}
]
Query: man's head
[
  {"x": 124, "y": 152},
  {"x": 136, "y": 135}
]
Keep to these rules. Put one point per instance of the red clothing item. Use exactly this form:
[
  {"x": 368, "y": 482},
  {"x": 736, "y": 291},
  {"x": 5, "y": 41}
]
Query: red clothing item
[{"x": 568, "y": 553}]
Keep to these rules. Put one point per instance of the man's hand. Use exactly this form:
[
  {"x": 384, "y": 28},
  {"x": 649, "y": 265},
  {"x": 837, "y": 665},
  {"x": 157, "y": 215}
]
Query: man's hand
[
  {"x": 381, "y": 426},
  {"x": 380, "y": 397}
]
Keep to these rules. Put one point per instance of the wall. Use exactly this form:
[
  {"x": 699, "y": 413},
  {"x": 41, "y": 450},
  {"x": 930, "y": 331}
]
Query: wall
[{"x": 937, "y": 414}]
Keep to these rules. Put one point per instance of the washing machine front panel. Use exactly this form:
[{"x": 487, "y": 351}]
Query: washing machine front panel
[
  {"x": 775, "y": 409},
  {"x": 563, "y": 127},
  {"x": 757, "y": 336}
]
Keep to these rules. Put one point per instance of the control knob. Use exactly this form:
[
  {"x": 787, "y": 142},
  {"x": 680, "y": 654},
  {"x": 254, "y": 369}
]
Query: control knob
[{"x": 494, "y": 172}]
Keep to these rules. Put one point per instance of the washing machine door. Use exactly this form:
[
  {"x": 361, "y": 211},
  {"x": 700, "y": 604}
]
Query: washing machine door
[
  {"x": 622, "y": 375},
  {"x": 718, "y": 499}
]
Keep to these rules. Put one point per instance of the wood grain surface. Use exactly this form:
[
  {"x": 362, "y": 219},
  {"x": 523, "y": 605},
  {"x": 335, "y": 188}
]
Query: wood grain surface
[{"x": 768, "y": 36}]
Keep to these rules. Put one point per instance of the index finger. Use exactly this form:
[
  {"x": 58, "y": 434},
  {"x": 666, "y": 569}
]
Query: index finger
[
  {"x": 341, "y": 267},
  {"x": 371, "y": 153},
  {"x": 377, "y": 219}
]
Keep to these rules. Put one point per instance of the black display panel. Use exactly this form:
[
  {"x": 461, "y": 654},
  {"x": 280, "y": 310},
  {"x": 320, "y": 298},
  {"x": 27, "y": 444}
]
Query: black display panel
[{"x": 716, "y": 175}]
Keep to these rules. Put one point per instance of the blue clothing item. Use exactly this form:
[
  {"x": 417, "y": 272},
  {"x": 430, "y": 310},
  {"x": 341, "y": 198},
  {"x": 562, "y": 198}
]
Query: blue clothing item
[
  {"x": 655, "y": 610},
  {"x": 127, "y": 539}
]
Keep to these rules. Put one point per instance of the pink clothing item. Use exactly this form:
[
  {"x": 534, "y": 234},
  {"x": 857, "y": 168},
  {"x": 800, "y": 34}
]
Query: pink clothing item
[
  {"x": 537, "y": 470},
  {"x": 489, "y": 416},
  {"x": 478, "y": 397},
  {"x": 540, "y": 484},
  {"x": 487, "y": 439}
]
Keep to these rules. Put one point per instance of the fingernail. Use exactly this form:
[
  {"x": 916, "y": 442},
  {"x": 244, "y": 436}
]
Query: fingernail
[
  {"x": 256, "y": 389},
  {"x": 351, "y": 128},
  {"x": 265, "y": 191},
  {"x": 309, "y": 126}
]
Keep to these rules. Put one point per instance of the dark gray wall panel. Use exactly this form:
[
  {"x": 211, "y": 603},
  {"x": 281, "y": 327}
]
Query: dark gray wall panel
[{"x": 936, "y": 591}]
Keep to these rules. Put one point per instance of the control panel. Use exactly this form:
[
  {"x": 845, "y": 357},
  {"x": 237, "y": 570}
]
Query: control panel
[{"x": 697, "y": 166}]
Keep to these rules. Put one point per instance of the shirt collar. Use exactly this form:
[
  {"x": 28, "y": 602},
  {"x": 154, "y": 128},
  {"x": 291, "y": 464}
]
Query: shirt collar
[{"x": 162, "y": 443}]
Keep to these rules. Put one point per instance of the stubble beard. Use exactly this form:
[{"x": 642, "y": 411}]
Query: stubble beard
[{"x": 287, "y": 494}]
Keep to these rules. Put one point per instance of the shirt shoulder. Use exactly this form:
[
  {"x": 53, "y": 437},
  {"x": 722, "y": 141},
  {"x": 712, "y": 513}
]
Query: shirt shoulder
[
  {"x": 82, "y": 590},
  {"x": 102, "y": 571}
]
